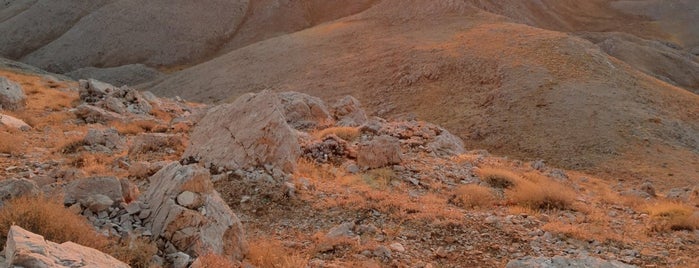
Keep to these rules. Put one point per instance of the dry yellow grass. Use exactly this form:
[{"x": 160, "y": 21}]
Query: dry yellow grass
[
  {"x": 672, "y": 216},
  {"x": 11, "y": 143},
  {"x": 137, "y": 253},
  {"x": 542, "y": 195},
  {"x": 213, "y": 261},
  {"x": 474, "y": 196},
  {"x": 50, "y": 219},
  {"x": 133, "y": 128},
  {"x": 498, "y": 177},
  {"x": 269, "y": 253},
  {"x": 345, "y": 133}
]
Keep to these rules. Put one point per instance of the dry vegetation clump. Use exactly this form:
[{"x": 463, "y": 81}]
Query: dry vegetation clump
[
  {"x": 474, "y": 196},
  {"x": 11, "y": 143},
  {"x": 136, "y": 127},
  {"x": 672, "y": 216},
  {"x": 379, "y": 178},
  {"x": 269, "y": 253},
  {"x": 211, "y": 260},
  {"x": 499, "y": 178},
  {"x": 345, "y": 133},
  {"x": 542, "y": 194},
  {"x": 137, "y": 253},
  {"x": 93, "y": 163},
  {"x": 50, "y": 219}
]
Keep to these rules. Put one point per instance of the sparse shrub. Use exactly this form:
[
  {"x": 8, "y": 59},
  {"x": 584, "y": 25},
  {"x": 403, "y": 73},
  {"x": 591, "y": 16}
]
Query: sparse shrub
[
  {"x": 213, "y": 261},
  {"x": 268, "y": 253},
  {"x": 345, "y": 133},
  {"x": 541, "y": 195},
  {"x": 11, "y": 143},
  {"x": 379, "y": 178},
  {"x": 138, "y": 253},
  {"x": 474, "y": 196},
  {"x": 498, "y": 178},
  {"x": 50, "y": 219},
  {"x": 134, "y": 127},
  {"x": 672, "y": 216}
]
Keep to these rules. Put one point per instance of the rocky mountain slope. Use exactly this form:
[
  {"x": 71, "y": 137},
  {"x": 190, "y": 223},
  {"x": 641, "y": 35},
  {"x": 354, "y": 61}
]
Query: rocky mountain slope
[{"x": 288, "y": 180}]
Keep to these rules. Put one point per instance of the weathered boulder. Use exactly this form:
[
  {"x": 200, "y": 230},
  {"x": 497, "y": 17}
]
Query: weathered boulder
[
  {"x": 201, "y": 222},
  {"x": 26, "y": 249},
  {"x": 118, "y": 190},
  {"x": 93, "y": 114},
  {"x": 380, "y": 152},
  {"x": 12, "y": 122},
  {"x": 250, "y": 132},
  {"x": 120, "y": 100},
  {"x": 560, "y": 262},
  {"x": 11, "y": 95},
  {"x": 11, "y": 188},
  {"x": 92, "y": 91},
  {"x": 446, "y": 144},
  {"x": 108, "y": 138},
  {"x": 305, "y": 112},
  {"x": 349, "y": 113}
]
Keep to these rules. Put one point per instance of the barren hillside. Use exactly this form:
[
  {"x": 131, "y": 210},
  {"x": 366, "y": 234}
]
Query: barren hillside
[{"x": 513, "y": 89}]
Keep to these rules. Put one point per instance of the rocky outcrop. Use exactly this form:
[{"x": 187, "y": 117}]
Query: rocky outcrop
[
  {"x": 189, "y": 215},
  {"x": 95, "y": 193},
  {"x": 14, "y": 123},
  {"x": 349, "y": 113},
  {"x": 26, "y": 249},
  {"x": 11, "y": 95},
  {"x": 380, "y": 152},
  {"x": 11, "y": 188},
  {"x": 560, "y": 262},
  {"x": 304, "y": 112},
  {"x": 250, "y": 132},
  {"x": 119, "y": 100}
]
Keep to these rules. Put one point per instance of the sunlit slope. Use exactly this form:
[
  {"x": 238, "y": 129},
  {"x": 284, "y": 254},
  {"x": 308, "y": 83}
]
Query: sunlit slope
[{"x": 507, "y": 87}]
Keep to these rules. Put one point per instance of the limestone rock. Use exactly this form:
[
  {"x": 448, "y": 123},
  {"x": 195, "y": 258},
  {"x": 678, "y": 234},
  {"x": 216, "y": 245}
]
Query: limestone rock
[
  {"x": 109, "y": 138},
  {"x": 212, "y": 228},
  {"x": 92, "y": 114},
  {"x": 305, "y": 112},
  {"x": 252, "y": 131},
  {"x": 26, "y": 249},
  {"x": 560, "y": 261},
  {"x": 349, "y": 113},
  {"x": 98, "y": 203},
  {"x": 11, "y": 95},
  {"x": 446, "y": 144},
  {"x": 81, "y": 190},
  {"x": 11, "y": 188},
  {"x": 379, "y": 152},
  {"x": 12, "y": 122}
]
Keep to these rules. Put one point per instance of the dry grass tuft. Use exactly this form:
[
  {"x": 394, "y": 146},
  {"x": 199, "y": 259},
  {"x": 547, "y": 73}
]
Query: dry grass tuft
[
  {"x": 345, "y": 133},
  {"x": 50, "y": 219},
  {"x": 474, "y": 196},
  {"x": 379, "y": 178},
  {"x": 135, "y": 127},
  {"x": 137, "y": 253},
  {"x": 499, "y": 178},
  {"x": 269, "y": 253},
  {"x": 11, "y": 143},
  {"x": 672, "y": 216},
  {"x": 544, "y": 194},
  {"x": 213, "y": 261}
]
